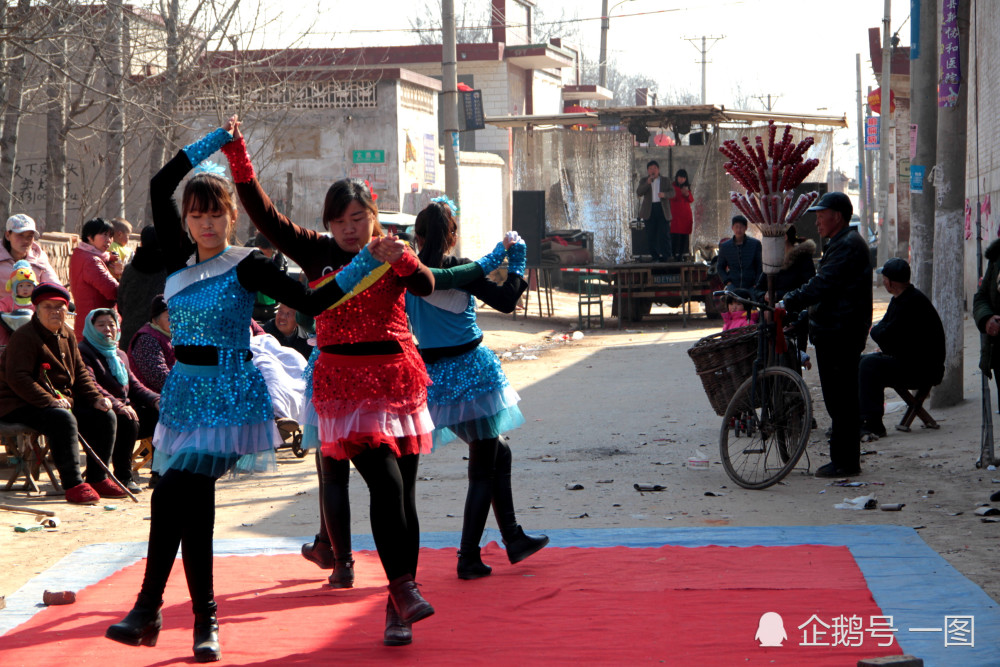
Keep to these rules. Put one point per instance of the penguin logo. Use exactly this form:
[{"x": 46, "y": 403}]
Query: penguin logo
[{"x": 771, "y": 630}]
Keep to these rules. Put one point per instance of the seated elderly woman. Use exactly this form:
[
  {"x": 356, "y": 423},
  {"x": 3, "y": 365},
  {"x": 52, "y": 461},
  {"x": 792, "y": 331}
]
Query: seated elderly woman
[
  {"x": 44, "y": 384},
  {"x": 136, "y": 408},
  {"x": 150, "y": 351}
]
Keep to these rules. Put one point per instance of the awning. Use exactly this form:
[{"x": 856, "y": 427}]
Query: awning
[
  {"x": 538, "y": 56},
  {"x": 587, "y": 92}
]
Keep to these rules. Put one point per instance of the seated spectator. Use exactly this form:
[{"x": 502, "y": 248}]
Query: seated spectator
[
  {"x": 911, "y": 342},
  {"x": 44, "y": 384},
  {"x": 282, "y": 368},
  {"x": 286, "y": 329},
  {"x": 264, "y": 306},
  {"x": 736, "y": 315},
  {"x": 120, "y": 230},
  {"x": 136, "y": 408},
  {"x": 142, "y": 279},
  {"x": 20, "y": 242},
  {"x": 151, "y": 353},
  {"x": 93, "y": 271}
]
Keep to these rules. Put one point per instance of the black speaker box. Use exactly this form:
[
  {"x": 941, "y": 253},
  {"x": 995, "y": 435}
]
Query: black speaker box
[{"x": 528, "y": 220}]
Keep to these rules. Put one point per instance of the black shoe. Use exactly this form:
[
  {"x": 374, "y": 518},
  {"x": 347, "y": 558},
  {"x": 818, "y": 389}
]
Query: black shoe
[
  {"x": 995, "y": 497},
  {"x": 875, "y": 428},
  {"x": 410, "y": 605},
  {"x": 396, "y": 633},
  {"x": 343, "y": 574},
  {"x": 141, "y": 626},
  {"x": 520, "y": 546},
  {"x": 133, "y": 487},
  {"x": 206, "y": 635},
  {"x": 318, "y": 552},
  {"x": 154, "y": 479},
  {"x": 471, "y": 565},
  {"x": 830, "y": 470}
]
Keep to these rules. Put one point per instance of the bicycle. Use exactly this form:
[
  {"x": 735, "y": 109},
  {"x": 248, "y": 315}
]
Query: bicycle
[{"x": 766, "y": 425}]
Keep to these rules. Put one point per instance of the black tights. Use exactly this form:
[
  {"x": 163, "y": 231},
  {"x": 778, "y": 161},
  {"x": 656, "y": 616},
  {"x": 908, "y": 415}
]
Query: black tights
[
  {"x": 183, "y": 513},
  {"x": 391, "y": 485},
  {"x": 489, "y": 483},
  {"x": 334, "y": 505}
]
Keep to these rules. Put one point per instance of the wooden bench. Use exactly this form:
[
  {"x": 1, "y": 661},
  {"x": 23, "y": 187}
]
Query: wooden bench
[
  {"x": 29, "y": 456},
  {"x": 915, "y": 408}
]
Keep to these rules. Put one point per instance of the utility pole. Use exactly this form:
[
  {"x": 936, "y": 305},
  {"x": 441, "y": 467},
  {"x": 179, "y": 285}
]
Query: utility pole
[
  {"x": 605, "y": 24},
  {"x": 769, "y": 105},
  {"x": 704, "y": 60},
  {"x": 886, "y": 237},
  {"x": 870, "y": 176},
  {"x": 923, "y": 114},
  {"x": 862, "y": 182},
  {"x": 449, "y": 100},
  {"x": 949, "y": 227}
]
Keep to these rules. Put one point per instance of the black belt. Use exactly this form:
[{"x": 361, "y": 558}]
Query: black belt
[
  {"x": 364, "y": 348},
  {"x": 433, "y": 354},
  {"x": 202, "y": 355}
]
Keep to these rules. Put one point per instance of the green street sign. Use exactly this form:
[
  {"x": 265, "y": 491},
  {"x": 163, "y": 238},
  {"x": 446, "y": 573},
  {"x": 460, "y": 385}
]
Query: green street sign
[{"x": 367, "y": 157}]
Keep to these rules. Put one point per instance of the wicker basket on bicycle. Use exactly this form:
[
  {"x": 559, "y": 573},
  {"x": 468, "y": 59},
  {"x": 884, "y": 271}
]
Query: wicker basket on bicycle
[{"x": 724, "y": 361}]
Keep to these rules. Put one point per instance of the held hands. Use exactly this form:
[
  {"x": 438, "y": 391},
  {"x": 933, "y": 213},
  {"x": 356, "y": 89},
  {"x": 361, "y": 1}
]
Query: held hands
[
  {"x": 510, "y": 238},
  {"x": 387, "y": 248},
  {"x": 232, "y": 126}
]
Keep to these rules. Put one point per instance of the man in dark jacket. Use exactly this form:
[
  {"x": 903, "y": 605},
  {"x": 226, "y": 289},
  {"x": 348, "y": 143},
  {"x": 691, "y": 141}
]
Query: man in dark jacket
[
  {"x": 911, "y": 342},
  {"x": 740, "y": 264},
  {"x": 44, "y": 384},
  {"x": 840, "y": 295}
]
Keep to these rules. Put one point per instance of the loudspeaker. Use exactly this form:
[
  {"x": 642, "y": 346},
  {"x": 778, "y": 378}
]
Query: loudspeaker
[{"x": 528, "y": 220}]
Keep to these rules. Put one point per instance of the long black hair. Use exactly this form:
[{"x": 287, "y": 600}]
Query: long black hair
[
  {"x": 682, "y": 172},
  {"x": 438, "y": 231},
  {"x": 93, "y": 227}
]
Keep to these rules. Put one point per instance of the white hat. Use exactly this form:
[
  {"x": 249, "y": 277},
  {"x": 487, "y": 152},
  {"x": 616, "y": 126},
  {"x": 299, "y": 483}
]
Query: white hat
[{"x": 20, "y": 222}]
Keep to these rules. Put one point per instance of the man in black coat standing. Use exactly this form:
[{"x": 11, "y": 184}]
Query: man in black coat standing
[
  {"x": 740, "y": 264},
  {"x": 911, "y": 342},
  {"x": 841, "y": 296}
]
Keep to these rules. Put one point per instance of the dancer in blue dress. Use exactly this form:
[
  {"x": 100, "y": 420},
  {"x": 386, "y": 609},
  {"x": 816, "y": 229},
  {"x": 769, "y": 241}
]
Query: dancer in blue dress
[
  {"x": 470, "y": 397},
  {"x": 215, "y": 413}
]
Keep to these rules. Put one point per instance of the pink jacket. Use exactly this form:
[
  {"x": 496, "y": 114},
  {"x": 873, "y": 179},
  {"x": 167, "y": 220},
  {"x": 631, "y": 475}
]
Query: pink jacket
[
  {"x": 738, "y": 319},
  {"x": 39, "y": 263},
  {"x": 91, "y": 284}
]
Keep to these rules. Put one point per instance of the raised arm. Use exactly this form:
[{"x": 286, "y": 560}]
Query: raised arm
[{"x": 174, "y": 241}]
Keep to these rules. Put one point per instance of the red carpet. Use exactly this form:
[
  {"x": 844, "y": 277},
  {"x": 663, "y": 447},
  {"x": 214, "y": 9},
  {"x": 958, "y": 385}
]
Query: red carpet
[{"x": 675, "y": 605}]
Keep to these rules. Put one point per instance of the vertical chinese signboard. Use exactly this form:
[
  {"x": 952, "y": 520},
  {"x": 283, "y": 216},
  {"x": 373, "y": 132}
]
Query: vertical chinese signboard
[
  {"x": 951, "y": 65},
  {"x": 871, "y": 133}
]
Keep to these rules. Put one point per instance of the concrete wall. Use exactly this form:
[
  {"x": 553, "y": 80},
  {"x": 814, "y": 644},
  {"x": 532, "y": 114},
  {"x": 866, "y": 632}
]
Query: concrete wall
[{"x": 983, "y": 177}]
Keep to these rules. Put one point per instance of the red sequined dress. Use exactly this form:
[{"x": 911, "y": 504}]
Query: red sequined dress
[{"x": 361, "y": 400}]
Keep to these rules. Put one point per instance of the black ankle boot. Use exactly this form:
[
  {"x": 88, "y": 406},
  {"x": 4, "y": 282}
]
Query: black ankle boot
[
  {"x": 520, "y": 546},
  {"x": 412, "y": 607},
  {"x": 141, "y": 626},
  {"x": 318, "y": 552},
  {"x": 343, "y": 573},
  {"x": 471, "y": 565},
  {"x": 396, "y": 633},
  {"x": 206, "y": 634}
]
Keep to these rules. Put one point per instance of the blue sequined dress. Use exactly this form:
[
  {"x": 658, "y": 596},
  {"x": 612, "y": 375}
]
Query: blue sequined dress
[
  {"x": 213, "y": 418},
  {"x": 471, "y": 397}
]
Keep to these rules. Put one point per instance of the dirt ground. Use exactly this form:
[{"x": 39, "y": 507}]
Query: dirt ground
[{"x": 606, "y": 411}]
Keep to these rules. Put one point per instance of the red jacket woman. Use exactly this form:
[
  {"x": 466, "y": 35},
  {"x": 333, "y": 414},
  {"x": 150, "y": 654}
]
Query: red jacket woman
[{"x": 93, "y": 272}]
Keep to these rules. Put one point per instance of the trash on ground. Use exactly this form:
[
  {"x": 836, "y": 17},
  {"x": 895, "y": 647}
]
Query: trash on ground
[
  {"x": 577, "y": 335},
  {"x": 28, "y": 529},
  {"x": 713, "y": 493},
  {"x": 892, "y": 507},
  {"x": 51, "y": 598},
  {"x": 110, "y": 508},
  {"x": 859, "y": 503},
  {"x": 582, "y": 516},
  {"x": 852, "y": 484},
  {"x": 648, "y": 487},
  {"x": 956, "y": 513},
  {"x": 49, "y": 522},
  {"x": 529, "y": 357},
  {"x": 549, "y": 459},
  {"x": 698, "y": 463},
  {"x": 989, "y": 520},
  {"x": 987, "y": 511},
  {"x": 605, "y": 481},
  {"x": 574, "y": 487}
]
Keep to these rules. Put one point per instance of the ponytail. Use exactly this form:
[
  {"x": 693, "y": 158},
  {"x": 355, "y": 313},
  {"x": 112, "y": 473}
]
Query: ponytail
[{"x": 437, "y": 229}]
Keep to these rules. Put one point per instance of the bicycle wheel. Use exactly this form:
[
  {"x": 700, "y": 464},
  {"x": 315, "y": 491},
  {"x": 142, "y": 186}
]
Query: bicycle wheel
[{"x": 765, "y": 428}]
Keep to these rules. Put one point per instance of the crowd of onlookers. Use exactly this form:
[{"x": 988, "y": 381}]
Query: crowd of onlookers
[{"x": 99, "y": 381}]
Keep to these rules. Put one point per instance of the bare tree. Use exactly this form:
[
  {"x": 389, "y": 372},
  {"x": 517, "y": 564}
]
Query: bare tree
[
  {"x": 11, "y": 97},
  {"x": 473, "y": 23}
]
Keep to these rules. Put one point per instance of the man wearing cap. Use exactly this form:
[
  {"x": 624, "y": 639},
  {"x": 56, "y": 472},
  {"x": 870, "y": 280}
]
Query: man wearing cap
[
  {"x": 911, "y": 347},
  {"x": 840, "y": 297},
  {"x": 45, "y": 385},
  {"x": 740, "y": 258}
]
